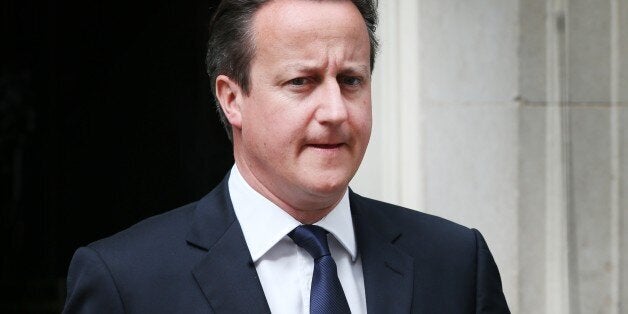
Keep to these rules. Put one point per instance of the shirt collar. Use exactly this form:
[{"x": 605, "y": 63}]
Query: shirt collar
[{"x": 264, "y": 224}]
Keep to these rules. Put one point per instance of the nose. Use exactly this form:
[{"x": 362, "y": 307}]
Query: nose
[{"x": 331, "y": 107}]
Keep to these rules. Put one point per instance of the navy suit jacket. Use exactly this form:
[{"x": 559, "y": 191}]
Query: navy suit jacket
[{"x": 194, "y": 259}]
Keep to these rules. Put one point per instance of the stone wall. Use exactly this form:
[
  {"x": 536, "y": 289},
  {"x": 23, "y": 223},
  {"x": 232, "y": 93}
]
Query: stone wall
[{"x": 512, "y": 117}]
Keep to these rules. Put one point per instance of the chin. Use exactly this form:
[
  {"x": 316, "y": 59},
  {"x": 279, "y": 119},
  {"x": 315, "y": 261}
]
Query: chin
[{"x": 329, "y": 185}]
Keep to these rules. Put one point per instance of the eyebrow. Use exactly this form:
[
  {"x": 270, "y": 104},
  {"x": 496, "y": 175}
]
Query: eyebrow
[
  {"x": 356, "y": 69},
  {"x": 310, "y": 68}
]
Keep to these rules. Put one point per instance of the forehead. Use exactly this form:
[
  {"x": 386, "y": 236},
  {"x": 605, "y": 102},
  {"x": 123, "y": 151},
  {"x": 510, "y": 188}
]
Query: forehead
[{"x": 281, "y": 24}]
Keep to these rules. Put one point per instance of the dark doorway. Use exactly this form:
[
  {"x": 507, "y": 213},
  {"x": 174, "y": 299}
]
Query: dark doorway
[{"x": 105, "y": 118}]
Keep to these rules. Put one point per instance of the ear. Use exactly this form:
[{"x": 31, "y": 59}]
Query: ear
[{"x": 230, "y": 96}]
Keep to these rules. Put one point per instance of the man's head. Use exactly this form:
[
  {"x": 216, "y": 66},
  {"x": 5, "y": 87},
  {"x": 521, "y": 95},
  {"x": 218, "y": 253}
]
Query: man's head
[
  {"x": 231, "y": 48},
  {"x": 301, "y": 118}
]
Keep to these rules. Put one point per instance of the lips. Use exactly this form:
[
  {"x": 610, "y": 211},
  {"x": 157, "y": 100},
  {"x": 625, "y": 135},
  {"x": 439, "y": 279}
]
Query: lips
[{"x": 325, "y": 146}]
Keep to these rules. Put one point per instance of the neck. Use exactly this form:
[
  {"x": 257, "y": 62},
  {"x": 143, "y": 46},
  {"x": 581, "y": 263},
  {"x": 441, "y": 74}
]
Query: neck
[{"x": 304, "y": 212}]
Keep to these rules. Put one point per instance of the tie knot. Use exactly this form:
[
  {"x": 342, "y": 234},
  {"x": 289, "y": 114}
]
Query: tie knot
[{"x": 311, "y": 238}]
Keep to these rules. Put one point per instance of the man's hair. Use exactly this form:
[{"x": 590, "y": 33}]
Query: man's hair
[{"x": 230, "y": 48}]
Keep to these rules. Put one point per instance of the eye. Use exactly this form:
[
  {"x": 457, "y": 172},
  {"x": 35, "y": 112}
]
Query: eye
[
  {"x": 351, "y": 80},
  {"x": 299, "y": 81}
]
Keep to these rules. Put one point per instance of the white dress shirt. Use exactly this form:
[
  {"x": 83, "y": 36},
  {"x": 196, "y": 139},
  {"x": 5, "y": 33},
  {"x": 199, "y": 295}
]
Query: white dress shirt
[{"x": 285, "y": 269}]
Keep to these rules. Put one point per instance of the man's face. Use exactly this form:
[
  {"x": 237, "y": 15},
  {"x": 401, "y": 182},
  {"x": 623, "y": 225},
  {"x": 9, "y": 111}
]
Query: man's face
[{"x": 306, "y": 122}]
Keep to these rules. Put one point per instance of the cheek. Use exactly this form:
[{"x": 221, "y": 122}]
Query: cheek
[
  {"x": 362, "y": 118},
  {"x": 272, "y": 124},
  {"x": 258, "y": 118}
]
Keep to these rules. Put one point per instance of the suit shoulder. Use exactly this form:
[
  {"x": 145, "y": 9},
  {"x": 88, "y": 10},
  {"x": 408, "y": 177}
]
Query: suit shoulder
[
  {"x": 413, "y": 222},
  {"x": 158, "y": 230}
]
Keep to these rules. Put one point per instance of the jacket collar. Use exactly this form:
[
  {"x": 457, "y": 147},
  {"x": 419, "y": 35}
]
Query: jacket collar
[
  {"x": 388, "y": 271},
  {"x": 226, "y": 274}
]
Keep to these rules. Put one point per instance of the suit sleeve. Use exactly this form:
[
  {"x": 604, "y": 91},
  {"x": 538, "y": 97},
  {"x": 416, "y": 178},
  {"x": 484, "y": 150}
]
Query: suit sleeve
[
  {"x": 489, "y": 295},
  {"x": 91, "y": 287}
]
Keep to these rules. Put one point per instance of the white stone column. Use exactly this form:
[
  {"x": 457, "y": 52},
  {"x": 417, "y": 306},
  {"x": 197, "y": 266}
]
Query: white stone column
[
  {"x": 512, "y": 117},
  {"x": 444, "y": 110},
  {"x": 392, "y": 168}
]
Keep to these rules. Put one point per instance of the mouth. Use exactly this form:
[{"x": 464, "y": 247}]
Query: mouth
[{"x": 325, "y": 146}]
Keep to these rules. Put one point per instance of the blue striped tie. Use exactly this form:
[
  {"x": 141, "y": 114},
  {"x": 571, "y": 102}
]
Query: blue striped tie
[{"x": 326, "y": 295}]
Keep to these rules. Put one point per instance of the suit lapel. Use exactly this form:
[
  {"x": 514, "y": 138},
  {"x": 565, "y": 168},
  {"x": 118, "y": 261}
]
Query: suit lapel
[
  {"x": 388, "y": 271},
  {"x": 226, "y": 274}
]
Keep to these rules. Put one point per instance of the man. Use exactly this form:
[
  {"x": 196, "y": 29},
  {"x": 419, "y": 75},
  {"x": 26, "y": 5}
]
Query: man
[{"x": 283, "y": 233}]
